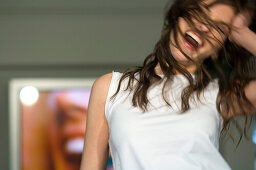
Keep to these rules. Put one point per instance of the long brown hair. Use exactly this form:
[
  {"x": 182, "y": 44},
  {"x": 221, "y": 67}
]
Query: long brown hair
[{"x": 230, "y": 68}]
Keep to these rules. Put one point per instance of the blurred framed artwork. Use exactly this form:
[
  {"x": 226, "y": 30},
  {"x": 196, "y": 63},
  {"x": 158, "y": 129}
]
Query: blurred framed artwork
[{"x": 48, "y": 123}]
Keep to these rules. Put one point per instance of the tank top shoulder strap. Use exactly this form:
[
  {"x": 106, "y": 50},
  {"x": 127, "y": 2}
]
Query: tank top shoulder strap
[{"x": 111, "y": 91}]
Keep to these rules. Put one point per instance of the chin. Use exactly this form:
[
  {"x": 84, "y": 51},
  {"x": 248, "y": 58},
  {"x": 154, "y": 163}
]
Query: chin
[{"x": 178, "y": 56}]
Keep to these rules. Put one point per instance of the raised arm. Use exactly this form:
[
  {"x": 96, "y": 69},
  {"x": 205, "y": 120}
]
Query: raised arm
[
  {"x": 241, "y": 34},
  {"x": 246, "y": 38},
  {"x": 250, "y": 92},
  {"x": 96, "y": 151}
]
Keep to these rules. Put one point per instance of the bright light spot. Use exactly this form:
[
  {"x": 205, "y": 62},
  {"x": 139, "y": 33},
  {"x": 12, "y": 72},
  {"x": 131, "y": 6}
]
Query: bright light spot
[
  {"x": 29, "y": 95},
  {"x": 254, "y": 136},
  {"x": 75, "y": 145}
]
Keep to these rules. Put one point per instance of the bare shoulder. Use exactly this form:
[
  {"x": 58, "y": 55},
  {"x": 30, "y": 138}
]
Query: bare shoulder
[
  {"x": 100, "y": 87},
  {"x": 250, "y": 92},
  {"x": 103, "y": 80},
  {"x": 102, "y": 83}
]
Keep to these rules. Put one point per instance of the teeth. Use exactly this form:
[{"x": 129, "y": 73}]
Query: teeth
[
  {"x": 195, "y": 37},
  {"x": 75, "y": 145}
]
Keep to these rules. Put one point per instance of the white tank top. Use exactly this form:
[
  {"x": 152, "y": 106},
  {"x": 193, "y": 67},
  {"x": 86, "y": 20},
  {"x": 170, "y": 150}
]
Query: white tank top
[{"x": 162, "y": 138}]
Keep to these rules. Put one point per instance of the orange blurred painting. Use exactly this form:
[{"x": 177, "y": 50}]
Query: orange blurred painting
[{"x": 52, "y": 130}]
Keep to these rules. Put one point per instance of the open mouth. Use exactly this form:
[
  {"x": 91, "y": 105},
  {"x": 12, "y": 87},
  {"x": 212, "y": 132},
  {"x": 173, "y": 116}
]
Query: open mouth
[{"x": 192, "y": 40}]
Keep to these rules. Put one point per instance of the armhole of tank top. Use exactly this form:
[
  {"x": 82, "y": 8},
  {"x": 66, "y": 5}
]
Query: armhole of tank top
[
  {"x": 214, "y": 88},
  {"x": 111, "y": 91},
  {"x": 220, "y": 120},
  {"x": 219, "y": 116}
]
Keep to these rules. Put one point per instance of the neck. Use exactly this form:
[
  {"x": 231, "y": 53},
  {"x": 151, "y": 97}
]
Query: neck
[{"x": 189, "y": 68}]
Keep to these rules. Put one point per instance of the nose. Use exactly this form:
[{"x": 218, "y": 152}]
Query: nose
[{"x": 202, "y": 27}]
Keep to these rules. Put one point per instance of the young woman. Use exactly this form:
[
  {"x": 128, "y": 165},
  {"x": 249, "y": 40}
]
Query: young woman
[{"x": 168, "y": 114}]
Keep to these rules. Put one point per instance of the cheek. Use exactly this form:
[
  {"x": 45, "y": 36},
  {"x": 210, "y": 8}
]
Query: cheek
[
  {"x": 182, "y": 23},
  {"x": 177, "y": 54},
  {"x": 216, "y": 41}
]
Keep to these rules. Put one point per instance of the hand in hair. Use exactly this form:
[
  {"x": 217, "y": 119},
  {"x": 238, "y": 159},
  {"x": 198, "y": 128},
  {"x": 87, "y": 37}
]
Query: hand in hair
[{"x": 240, "y": 33}]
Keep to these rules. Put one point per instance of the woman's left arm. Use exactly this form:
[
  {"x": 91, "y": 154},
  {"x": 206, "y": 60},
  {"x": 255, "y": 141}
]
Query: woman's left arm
[
  {"x": 247, "y": 39},
  {"x": 241, "y": 34},
  {"x": 250, "y": 92}
]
